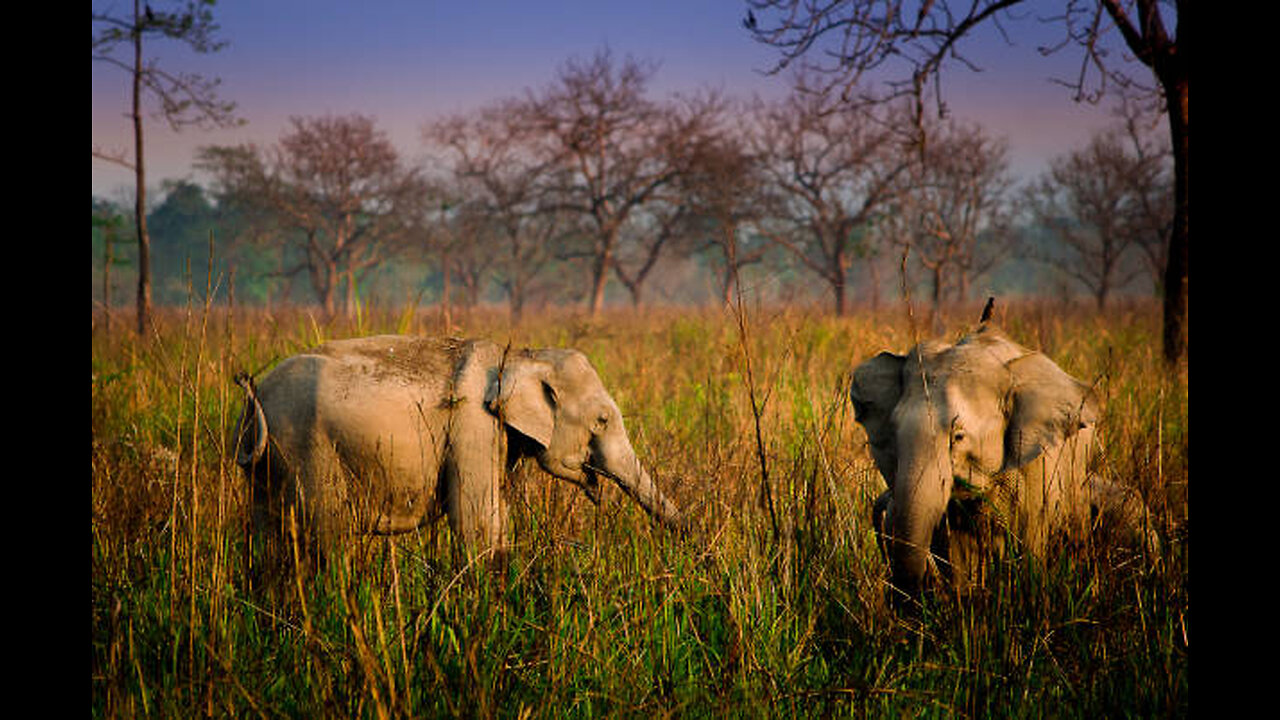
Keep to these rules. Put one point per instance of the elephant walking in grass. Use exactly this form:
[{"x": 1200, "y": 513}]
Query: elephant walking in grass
[
  {"x": 384, "y": 434},
  {"x": 979, "y": 440}
]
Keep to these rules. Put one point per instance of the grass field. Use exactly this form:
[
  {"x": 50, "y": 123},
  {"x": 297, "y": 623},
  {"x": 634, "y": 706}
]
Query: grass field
[{"x": 756, "y": 612}]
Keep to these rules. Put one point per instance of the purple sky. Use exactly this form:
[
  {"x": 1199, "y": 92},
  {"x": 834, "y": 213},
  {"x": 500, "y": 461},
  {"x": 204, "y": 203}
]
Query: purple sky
[{"x": 405, "y": 62}]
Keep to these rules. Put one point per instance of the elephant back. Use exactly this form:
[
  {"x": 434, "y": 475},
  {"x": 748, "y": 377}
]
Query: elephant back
[{"x": 389, "y": 358}]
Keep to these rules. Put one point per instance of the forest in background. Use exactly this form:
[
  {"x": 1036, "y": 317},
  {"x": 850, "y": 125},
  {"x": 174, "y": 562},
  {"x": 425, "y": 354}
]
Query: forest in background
[
  {"x": 593, "y": 192},
  {"x": 186, "y": 230}
]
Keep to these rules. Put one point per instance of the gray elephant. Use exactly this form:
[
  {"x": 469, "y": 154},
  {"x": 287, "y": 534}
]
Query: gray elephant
[
  {"x": 977, "y": 440},
  {"x": 384, "y": 434}
]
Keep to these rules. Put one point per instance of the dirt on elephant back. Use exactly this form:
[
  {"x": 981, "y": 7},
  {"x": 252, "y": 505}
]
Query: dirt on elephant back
[{"x": 405, "y": 358}]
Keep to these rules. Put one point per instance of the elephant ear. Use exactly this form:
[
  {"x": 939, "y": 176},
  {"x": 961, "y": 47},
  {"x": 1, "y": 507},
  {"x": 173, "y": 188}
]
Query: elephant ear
[
  {"x": 521, "y": 396},
  {"x": 875, "y": 390},
  {"x": 1046, "y": 407}
]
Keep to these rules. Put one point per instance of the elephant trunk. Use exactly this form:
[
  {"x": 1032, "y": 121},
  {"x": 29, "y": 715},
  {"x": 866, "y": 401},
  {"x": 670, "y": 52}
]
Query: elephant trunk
[
  {"x": 919, "y": 500},
  {"x": 646, "y": 493},
  {"x": 636, "y": 482}
]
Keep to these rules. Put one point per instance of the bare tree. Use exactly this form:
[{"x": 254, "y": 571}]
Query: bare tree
[
  {"x": 185, "y": 98},
  {"x": 476, "y": 249},
  {"x": 954, "y": 216},
  {"x": 688, "y": 124},
  {"x": 444, "y": 234},
  {"x": 501, "y": 179},
  {"x": 727, "y": 195},
  {"x": 1094, "y": 201},
  {"x": 338, "y": 184},
  {"x": 343, "y": 175},
  {"x": 911, "y": 43},
  {"x": 641, "y": 242},
  {"x": 835, "y": 168},
  {"x": 1149, "y": 180},
  {"x": 607, "y": 143}
]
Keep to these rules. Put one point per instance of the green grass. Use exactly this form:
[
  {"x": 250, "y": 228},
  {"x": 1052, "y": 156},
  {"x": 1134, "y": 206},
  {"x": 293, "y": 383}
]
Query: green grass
[{"x": 752, "y": 614}]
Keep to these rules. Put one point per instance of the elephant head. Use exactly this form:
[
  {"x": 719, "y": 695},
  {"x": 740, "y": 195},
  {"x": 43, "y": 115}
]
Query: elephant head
[
  {"x": 574, "y": 429},
  {"x": 983, "y": 423}
]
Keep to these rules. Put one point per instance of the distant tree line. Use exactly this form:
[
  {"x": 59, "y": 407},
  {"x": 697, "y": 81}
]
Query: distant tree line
[{"x": 551, "y": 196}]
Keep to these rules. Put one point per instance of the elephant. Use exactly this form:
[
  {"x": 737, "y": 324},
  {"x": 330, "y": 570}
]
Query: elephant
[
  {"x": 384, "y": 434},
  {"x": 978, "y": 441}
]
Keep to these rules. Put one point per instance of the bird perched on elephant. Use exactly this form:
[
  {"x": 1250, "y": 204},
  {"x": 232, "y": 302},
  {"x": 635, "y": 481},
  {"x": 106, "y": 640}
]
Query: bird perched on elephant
[
  {"x": 385, "y": 434},
  {"x": 977, "y": 441}
]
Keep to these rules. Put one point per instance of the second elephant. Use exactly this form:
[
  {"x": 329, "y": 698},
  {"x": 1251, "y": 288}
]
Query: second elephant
[
  {"x": 383, "y": 434},
  {"x": 978, "y": 440}
]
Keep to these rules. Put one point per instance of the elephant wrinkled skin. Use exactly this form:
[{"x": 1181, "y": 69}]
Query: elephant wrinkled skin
[
  {"x": 383, "y": 434},
  {"x": 976, "y": 441}
]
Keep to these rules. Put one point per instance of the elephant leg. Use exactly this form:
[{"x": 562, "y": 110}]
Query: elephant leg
[
  {"x": 324, "y": 517},
  {"x": 477, "y": 514},
  {"x": 284, "y": 538},
  {"x": 282, "y": 525},
  {"x": 474, "y": 473},
  {"x": 266, "y": 549}
]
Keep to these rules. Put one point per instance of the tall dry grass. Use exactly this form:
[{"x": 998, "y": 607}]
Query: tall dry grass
[{"x": 773, "y": 605}]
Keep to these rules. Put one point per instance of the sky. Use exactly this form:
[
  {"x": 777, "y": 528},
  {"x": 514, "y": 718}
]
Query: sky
[{"x": 406, "y": 62}]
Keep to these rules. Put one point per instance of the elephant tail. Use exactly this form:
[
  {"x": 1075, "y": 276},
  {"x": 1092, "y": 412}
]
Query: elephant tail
[{"x": 251, "y": 442}]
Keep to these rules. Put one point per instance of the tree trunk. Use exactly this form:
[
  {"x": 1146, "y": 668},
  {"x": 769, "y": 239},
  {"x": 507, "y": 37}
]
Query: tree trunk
[
  {"x": 729, "y": 285},
  {"x": 838, "y": 291},
  {"x": 326, "y": 300},
  {"x": 839, "y": 279},
  {"x": 935, "y": 308},
  {"x": 446, "y": 291},
  {"x": 140, "y": 180},
  {"x": 515, "y": 281},
  {"x": 873, "y": 268},
  {"x": 324, "y": 280},
  {"x": 349, "y": 297},
  {"x": 600, "y": 279},
  {"x": 1175, "y": 277}
]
